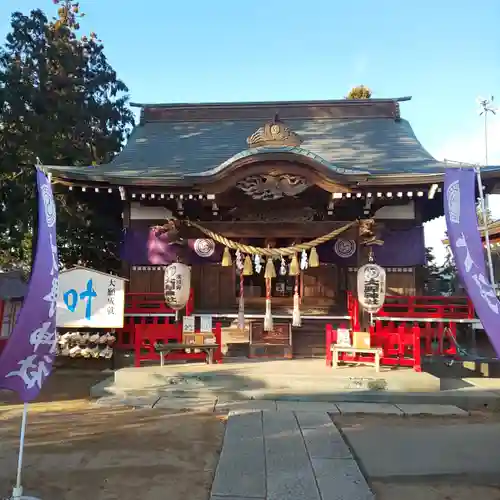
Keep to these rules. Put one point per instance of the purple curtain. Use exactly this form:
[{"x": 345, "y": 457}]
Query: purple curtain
[{"x": 146, "y": 246}]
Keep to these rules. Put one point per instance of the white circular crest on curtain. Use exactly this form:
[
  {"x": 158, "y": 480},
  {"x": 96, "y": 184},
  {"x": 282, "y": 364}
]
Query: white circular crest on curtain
[
  {"x": 204, "y": 247},
  {"x": 48, "y": 205},
  {"x": 345, "y": 248},
  {"x": 453, "y": 195}
]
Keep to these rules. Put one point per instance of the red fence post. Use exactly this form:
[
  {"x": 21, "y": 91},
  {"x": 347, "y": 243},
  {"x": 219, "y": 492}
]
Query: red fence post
[
  {"x": 218, "y": 341},
  {"x": 138, "y": 346},
  {"x": 355, "y": 314},
  {"x": 190, "y": 303},
  {"x": 417, "y": 356},
  {"x": 328, "y": 344}
]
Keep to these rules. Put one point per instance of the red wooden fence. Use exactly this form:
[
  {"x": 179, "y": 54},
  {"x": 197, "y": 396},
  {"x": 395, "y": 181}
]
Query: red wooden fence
[
  {"x": 140, "y": 305},
  {"x": 147, "y": 335},
  {"x": 405, "y": 341}
]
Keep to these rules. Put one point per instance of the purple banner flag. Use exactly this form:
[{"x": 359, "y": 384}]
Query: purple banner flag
[
  {"x": 467, "y": 248},
  {"x": 27, "y": 358}
]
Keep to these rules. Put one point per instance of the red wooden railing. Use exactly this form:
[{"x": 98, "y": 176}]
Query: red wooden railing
[
  {"x": 427, "y": 307},
  {"x": 405, "y": 341},
  {"x": 146, "y": 336},
  {"x": 142, "y": 305}
]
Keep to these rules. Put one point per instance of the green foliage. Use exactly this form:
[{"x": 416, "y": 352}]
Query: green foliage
[
  {"x": 439, "y": 279},
  {"x": 359, "y": 92},
  {"x": 481, "y": 219},
  {"x": 62, "y": 103}
]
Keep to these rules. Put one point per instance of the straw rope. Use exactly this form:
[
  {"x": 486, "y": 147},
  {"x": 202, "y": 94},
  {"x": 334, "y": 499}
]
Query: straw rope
[{"x": 270, "y": 252}]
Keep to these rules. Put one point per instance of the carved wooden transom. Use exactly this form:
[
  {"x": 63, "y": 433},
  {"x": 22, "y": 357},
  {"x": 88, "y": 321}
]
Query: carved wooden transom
[
  {"x": 274, "y": 133},
  {"x": 272, "y": 187}
]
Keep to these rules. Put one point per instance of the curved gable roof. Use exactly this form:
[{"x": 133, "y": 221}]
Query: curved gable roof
[{"x": 166, "y": 151}]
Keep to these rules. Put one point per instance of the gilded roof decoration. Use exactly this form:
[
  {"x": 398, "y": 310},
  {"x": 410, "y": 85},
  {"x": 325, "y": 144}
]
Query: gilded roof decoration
[{"x": 274, "y": 133}]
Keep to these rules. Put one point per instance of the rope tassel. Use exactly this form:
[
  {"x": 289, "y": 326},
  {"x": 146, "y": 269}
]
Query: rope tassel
[
  {"x": 293, "y": 270},
  {"x": 270, "y": 271},
  {"x": 313, "y": 258},
  {"x": 226, "y": 258},
  {"x": 247, "y": 266}
]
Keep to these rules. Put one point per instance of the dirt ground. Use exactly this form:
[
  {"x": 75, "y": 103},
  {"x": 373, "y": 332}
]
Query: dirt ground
[
  {"x": 76, "y": 450},
  {"x": 425, "y": 488}
]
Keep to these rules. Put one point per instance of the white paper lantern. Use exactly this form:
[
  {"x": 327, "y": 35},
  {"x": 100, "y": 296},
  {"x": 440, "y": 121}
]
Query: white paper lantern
[
  {"x": 371, "y": 287},
  {"x": 176, "y": 285}
]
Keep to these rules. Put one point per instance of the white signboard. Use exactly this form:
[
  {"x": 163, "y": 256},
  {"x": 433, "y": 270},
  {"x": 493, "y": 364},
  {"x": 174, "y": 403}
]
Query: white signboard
[
  {"x": 206, "y": 324},
  {"x": 188, "y": 324},
  {"x": 343, "y": 337},
  {"x": 90, "y": 299}
]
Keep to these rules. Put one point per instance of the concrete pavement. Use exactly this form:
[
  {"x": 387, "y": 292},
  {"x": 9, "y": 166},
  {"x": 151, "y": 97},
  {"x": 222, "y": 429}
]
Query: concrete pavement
[
  {"x": 426, "y": 450},
  {"x": 285, "y": 455}
]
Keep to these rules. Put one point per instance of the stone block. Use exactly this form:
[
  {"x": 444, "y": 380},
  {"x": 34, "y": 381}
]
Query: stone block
[
  {"x": 368, "y": 408},
  {"x": 250, "y": 405},
  {"x": 212, "y": 497},
  {"x": 312, "y": 420},
  {"x": 305, "y": 406},
  {"x": 144, "y": 401},
  {"x": 241, "y": 469},
  {"x": 435, "y": 410},
  {"x": 340, "y": 480},
  {"x": 289, "y": 470},
  {"x": 326, "y": 442},
  {"x": 192, "y": 404}
]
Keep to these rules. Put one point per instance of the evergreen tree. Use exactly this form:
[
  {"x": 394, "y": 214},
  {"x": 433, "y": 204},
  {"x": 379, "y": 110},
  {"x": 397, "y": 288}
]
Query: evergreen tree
[
  {"x": 439, "y": 279},
  {"x": 61, "y": 103},
  {"x": 359, "y": 92}
]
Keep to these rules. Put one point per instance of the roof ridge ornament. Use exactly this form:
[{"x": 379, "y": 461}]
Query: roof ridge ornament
[{"x": 274, "y": 133}]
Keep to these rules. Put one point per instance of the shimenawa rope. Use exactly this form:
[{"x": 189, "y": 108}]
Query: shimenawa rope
[{"x": 270, "y": 252}]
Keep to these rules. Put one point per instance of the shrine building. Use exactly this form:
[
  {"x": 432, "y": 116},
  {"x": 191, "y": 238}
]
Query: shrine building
[{"x": 271, "y": 175}]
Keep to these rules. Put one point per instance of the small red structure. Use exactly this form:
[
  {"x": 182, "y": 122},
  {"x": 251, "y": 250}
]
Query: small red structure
[
  {"x": 409, "y": 328},
  {"x": 145, "y": 309},
  {"x": 147, "y": 335}
]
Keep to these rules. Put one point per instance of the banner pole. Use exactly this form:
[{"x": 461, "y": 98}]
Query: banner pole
[
  {"x": 17, "y": 493},
  {"x": 482, "y": 204}
]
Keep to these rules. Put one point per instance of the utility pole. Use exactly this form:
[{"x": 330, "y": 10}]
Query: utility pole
[{"x": 486, "y": 106}]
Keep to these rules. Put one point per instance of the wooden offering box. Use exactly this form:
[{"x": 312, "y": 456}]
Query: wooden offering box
[{"x": 274, "y": 344}]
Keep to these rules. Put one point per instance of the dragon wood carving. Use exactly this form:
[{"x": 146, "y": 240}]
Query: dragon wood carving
[{"x": 272, "y": 187}]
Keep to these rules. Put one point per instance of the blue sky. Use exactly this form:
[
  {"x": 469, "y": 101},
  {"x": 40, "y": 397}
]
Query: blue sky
[{"x": 443, "y": 53}]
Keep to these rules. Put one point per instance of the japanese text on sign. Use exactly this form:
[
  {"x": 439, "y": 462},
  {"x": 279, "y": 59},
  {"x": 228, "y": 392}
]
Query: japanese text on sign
[
  {"x": 36, "y": 366},
  {"x": 90, "y": 299},
  {"x": 71, "y": 298}
]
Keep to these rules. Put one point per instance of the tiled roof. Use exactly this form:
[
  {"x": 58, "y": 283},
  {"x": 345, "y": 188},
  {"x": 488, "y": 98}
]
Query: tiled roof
[
  {"x": 12, "y": 286},
  {"x": 170, "y": 151}
]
